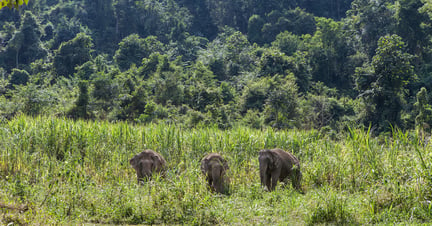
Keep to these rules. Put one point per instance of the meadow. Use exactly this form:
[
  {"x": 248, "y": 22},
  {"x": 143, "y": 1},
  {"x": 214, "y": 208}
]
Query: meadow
[{"x": 60, "y": 171}]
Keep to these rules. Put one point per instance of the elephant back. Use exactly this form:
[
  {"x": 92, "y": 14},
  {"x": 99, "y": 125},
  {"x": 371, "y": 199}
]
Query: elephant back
[{"x": 287, "y": 158}]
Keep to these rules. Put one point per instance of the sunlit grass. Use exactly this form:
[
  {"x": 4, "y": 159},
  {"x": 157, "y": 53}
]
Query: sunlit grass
[{"x": 78, "y": 172}]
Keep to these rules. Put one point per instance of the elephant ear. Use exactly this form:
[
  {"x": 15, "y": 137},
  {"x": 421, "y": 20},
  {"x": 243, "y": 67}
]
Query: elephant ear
[
  {"x": 204, "y": 165},
  {"x": 157, "y": 162},
  {"x": 225, "y": 164},
  {"x": 133, "y": 161},
  {"x": 263, "y": 152}
]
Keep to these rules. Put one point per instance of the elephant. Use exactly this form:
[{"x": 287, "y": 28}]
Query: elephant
[
  {"x": 277, "y": 164},
  {"x": 214, "y": 167},
  {"x": 146, "y": 163}
]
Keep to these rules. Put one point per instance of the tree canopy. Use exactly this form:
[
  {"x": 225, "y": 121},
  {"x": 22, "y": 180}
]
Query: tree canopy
[
  {"x": 12, "y": 3},
  {"x": 281, "y": 64}
]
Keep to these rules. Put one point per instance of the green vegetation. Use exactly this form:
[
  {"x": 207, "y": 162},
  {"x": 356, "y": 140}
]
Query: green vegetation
[
  {"x": 78, "y": 172},
  {"x": 343, "y": 84},
  {"x": 12, "y": 3},
  {"x": 283, "y": 64}
]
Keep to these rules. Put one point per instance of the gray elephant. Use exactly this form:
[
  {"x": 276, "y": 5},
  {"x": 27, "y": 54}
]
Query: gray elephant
[
  {"x": 146, "y": 163},
  {"x": 277, "y": 164},
  {"x": 214, "y": 167}
]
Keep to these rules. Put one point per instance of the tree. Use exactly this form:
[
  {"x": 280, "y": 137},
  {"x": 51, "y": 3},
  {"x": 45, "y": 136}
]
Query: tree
[
  {"x": 25, "y": 45},
  {"x": 411, "y": 26},
  {"x": 202, "y": 24},
  {"x": 81, "y": 108},
  {"x": 254, "y": 95},
  {"x": 104, "y": 88},
  {"x": 334, "y": 9},
  {"x": 287, "y": 42},
  {"x": 392, "y": 65},
  {"x": 99, "y": 17},
  {"x": 19, "y": 77},
  {"x": 7, "y": 33},
  {"x": 164, "y": 19},
  {"x": 273, "y": 62},
  {"x": 32, "y": 99},
  {"x": 168, "y": 88},
  {"x": 66, "y": 29},
  {"x": 321, "y": 107},
  {"x": 188, "y": 48},
  {"x": 423, "y": 119},
  {"x": 282, "y": 102},
  {"x": 329, "y": 55},
  {"x": 369, "y": 20},
  {"x": 4, "y": 82},
  {"x": 71, "y": 54},
  {"x": 12, "y": 3},
  {"x": 255, "y": 25},
  {"x": 200, "y": 88},
  {"x": 296, "y": 21},
  {"x": 382, "y": 83},
  {"x": 229, "y": 55},
  {"x": 229, "y": 13},
  {"x": 133, "y": 49}
]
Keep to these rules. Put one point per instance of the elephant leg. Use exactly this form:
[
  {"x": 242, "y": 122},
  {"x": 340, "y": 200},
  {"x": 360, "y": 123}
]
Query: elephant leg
[
  {"x": 262, "y": 177},
  {"x": 268, "y": 181},
  {"x": 217, "y": 183},
  {"x": 274, "y": 178},
  {"x": 265, "y": 178}
]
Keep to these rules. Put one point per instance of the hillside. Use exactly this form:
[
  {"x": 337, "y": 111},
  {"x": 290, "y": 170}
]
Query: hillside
[{"x": 282, "y": 64}]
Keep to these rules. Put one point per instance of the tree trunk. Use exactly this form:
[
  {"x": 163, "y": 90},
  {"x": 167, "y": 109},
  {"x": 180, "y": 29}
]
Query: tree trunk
[{"x": 16, "y": 58}]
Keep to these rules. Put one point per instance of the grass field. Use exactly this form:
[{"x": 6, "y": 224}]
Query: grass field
[{"x": 59, "y": 171}]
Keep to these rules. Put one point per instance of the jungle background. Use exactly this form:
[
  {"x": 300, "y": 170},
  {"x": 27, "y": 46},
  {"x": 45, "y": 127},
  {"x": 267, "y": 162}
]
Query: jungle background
[
  {"x": 281, "y": 64},
  {"x": 344, "y": 85}
]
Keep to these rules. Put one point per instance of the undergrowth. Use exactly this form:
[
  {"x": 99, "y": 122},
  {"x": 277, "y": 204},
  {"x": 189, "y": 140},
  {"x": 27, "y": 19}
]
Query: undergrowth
[{"x": 68, "y": 171}]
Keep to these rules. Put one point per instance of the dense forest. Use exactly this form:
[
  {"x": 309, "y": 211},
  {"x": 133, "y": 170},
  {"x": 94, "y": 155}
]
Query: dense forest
[{"x": 284, "y": 64}]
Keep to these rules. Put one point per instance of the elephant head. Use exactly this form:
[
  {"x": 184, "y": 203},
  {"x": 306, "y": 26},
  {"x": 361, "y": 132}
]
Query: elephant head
[
  {"x": 214, "y": 166},
  {"x": 268, "y": 163},
  {"x": 146, "y": 163}
]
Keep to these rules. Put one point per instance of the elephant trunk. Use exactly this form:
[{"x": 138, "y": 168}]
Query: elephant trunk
[
  {"x": 146, "y": 168},
  {"x": 217, "y": 178},
  {"x": 263, "y": 165}
]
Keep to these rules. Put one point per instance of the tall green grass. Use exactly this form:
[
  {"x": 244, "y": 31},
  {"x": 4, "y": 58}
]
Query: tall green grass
[{"x": 78, "y": 172}]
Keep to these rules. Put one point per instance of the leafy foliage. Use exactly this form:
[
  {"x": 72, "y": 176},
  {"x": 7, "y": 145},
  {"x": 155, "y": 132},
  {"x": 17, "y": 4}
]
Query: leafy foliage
[
  {"x": 71, "y": 54},
  {"x": 391, "y": 71},
  {"x": 12, "y": 3},
  {"x": 85, "y": 84},
  {"x": 423, "y": 118},
  {"x": 282, "y": 64},
  {"x": 133, "y": 49},
  {"x": 25, "y": 45}
]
